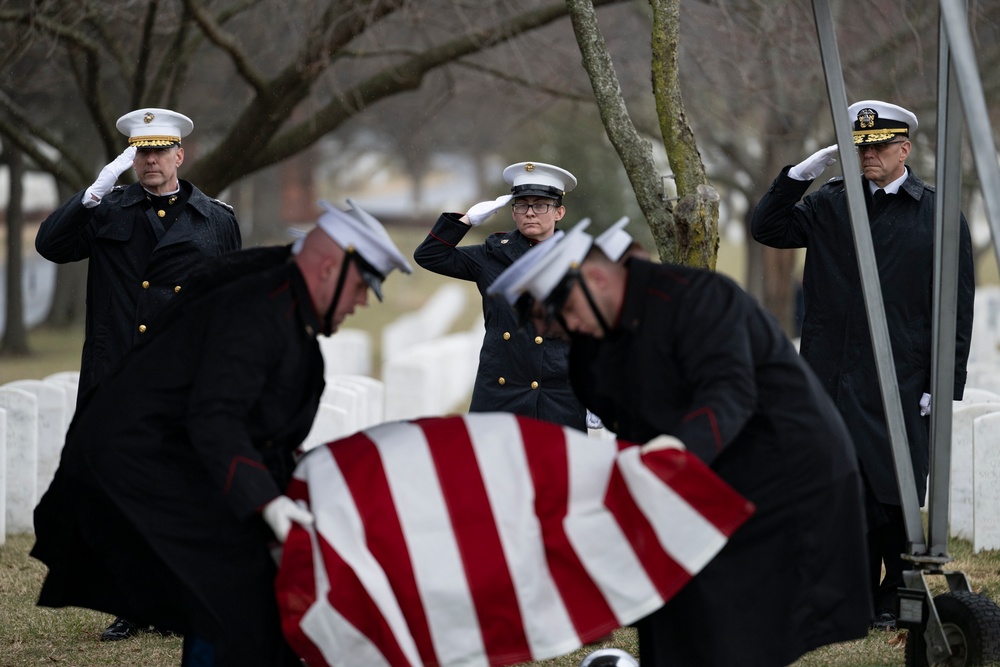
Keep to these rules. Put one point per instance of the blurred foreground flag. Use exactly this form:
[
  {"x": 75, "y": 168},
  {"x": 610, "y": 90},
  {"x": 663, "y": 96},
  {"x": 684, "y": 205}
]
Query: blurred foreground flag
[{"x": 489, "y": 539}]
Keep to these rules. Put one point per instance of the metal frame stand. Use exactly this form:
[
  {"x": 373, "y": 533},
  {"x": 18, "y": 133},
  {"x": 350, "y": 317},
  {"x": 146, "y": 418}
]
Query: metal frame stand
[{"x": 959, "y": 88}]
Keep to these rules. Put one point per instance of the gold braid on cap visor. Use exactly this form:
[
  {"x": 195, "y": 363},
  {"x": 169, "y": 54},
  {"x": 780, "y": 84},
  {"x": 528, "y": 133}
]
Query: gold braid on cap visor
[
  {"x": 885, "y": 134},
  {"x": 158, "y": 141}
]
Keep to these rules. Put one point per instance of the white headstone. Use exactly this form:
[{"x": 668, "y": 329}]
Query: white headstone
[
  {"x": 347, "y": 352},
  {"x": 413, "y": 385},
  {"x": 972, "y": 395},
  {"x": 960, "y": 513},
  {"x": 346, "y": 398},
  {"x": 984, "y": 375},
  {"x": 330, "y": 424},
  {"x": 985, "y": 344},
  {"x": 70, "y": 381},
  {"x": 435, "y": 318},
  {"x": 22, "y": 457},
  {"x": 51, "y": 426},
  {"x": 986, "y": 465},
  {"x": 372, "y": 393}
]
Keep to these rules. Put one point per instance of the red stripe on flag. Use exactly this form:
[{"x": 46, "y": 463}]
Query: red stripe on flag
[
  {"x": 701, "y": 488},
  {"x": 548, "y": 463},
  {"x": 295, "y": 589},
  {"x": 361, "y": 467},
  {"x": 666, "y": 574},
  {"x": 352, "y": 600},
  {"x": 483, "y": 559}
]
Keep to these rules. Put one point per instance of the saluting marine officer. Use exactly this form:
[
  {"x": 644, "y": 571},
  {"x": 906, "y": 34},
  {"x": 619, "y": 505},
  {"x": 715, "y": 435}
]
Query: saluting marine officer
[
  {"x": 520, "y": 371},
  {"x": 143, "y": 241}
]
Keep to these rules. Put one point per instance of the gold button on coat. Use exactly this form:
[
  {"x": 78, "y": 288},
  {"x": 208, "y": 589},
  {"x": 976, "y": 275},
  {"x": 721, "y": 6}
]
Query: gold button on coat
[
  {"x": 145, "y": 284},
  {"x": 177, "y": 288},
  {"x": 502, "y": 381},
  {"x": 506, "y": 335},
  {"x": 534, "y": 385},
  {"x": 142, "y": 328},
  {"x": 161, "y": 213},
  {"x": 538, "y": 340}
]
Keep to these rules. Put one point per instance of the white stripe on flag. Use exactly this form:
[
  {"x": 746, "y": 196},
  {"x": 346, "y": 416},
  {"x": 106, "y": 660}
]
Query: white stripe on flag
[
  {"x": 496, "y": 439},
  {"x": 338, "y": 522},
  {"x": 426, "y": 525},
  {"x": 596, "y": 536},
  {"x": 687, "y": 536},
  {"x": 330, "y": 632}
]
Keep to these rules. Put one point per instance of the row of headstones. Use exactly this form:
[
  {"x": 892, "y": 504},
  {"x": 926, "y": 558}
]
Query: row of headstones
[
  {"x": 985, "y": 346},
  {"x": 34, "y": 415},
  {"x": 429, "y": 373},
  {"x": 974, "y": 502}
]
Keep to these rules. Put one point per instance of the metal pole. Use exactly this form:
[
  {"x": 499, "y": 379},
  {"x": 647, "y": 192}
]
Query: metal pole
[
  {"x": 953, "y": 13},
  {"x": 947, "y": 234},
  {"x": 870, "y": 285}
]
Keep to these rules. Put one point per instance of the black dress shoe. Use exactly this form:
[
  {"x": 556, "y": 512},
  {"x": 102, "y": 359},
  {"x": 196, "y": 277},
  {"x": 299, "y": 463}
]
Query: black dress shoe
[
  {"x": 886, "y": 620},
  {"x": 120, "y": 629}
]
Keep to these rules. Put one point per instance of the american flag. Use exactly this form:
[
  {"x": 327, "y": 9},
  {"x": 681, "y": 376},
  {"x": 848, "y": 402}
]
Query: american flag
[{"x": 489, "y": 539}]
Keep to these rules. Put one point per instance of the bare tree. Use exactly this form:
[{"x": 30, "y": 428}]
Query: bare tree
[
  {"x": 15, "y": 337},
  {"x": 265, "y": 79},
  {"x": 687, "y": 233}
]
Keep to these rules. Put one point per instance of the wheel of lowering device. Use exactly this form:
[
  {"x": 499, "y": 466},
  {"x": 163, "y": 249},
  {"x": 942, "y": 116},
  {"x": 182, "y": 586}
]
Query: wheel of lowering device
[{"x": 971, "y": 623}]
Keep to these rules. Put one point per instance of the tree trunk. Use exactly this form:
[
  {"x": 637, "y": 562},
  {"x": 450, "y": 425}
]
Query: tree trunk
[
  {"x": 696, "y": 215},
  {"x": 634, "y": 151},
  {"x": 15, "y": 335},
  {"x": 688, "y": 233}
]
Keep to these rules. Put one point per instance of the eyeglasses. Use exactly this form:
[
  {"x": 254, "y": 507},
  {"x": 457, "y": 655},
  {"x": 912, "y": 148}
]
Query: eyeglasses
[
  {"x": 879, "y": 148},
  {"x": 537, "y": 207}
]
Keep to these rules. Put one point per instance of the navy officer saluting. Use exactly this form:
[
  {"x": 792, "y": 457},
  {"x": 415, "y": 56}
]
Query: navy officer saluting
[
  {"x": 835, "y": 336},
  {"x": 520, "y": 371}
]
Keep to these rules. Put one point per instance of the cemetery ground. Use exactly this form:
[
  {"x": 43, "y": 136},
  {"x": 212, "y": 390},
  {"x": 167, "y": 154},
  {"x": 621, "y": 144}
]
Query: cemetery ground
[{"x": 31, "y": 636}]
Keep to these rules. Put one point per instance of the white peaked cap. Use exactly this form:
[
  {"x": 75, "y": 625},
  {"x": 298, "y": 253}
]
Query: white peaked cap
[
  {"x": 539, "y": 278},
  {"x": 876, "y": 122},
  {"x": 356, "y": 230},
  {"x": 614, "y": 241},
  {"x": 154, "y": 128},
  {"x": 502, "y": 284},
  {"x": 538, "y": 179}
]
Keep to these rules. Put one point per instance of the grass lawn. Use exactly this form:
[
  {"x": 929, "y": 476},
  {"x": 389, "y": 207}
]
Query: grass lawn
[{"x": 32, "y": 636}]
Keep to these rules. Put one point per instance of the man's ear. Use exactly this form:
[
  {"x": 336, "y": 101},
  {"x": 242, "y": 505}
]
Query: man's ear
[
  {"x": 904, "y": 150},
  {"x": 594, "y": 274}
]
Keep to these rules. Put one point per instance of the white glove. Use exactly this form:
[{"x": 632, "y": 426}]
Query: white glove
[
  {"x": 814, "y": 165},
  {"x": 662, "y": 442},
  {"x": 925, "y": 404},
  {"x": 108, "y": 177},
  {"x": 281, "y": 512},
  {"x": 593, "y": 421},
  {"x": 484, "y": 209}
]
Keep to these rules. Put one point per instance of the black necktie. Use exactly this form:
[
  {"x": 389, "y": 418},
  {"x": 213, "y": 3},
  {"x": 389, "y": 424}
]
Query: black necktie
[{"x": 877, "y": 196}]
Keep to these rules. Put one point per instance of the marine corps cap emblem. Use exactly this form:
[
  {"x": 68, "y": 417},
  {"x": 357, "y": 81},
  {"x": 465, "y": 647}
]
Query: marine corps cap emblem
[
  {"x": 866, "y": 118},
  {"x": 529, "y": 167},
  {"x": 148, "y": 117}
]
